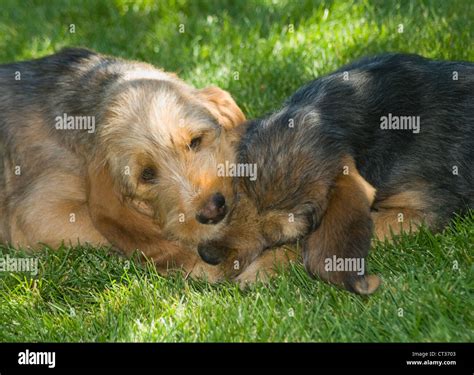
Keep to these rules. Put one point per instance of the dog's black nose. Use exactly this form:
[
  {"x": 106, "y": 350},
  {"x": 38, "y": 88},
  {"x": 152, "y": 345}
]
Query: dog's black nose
[
  {"x": 213, "y": 211},
  {"x": 210, "y": 254}
]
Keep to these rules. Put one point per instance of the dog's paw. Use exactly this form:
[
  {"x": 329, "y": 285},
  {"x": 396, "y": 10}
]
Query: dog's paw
[
  {"x": 253, "y": 275},
  {"x": 206, "y": 272},
  {"x": 366, "y": 285},
  {"x": 266, "y": 266}
]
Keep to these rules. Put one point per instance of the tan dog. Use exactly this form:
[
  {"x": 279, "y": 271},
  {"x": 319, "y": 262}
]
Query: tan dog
[{"x": 110, "y": 152}]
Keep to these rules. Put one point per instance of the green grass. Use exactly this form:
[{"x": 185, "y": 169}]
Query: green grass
[
  {"x": 87, "y": 294},
  {"x": 246, "y": 47}
]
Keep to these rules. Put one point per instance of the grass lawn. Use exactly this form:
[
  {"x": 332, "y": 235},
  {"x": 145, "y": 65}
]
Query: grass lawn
[{"x": 261, "y": 51}]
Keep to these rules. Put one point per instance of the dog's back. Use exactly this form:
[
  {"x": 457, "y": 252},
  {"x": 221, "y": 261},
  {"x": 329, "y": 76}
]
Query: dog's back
[
  {"x": 70, "y": 81},
  {"x": 409, "y": 124},
  {"x": 354, "y": 111},
  {"x": 32, "y": 95}
]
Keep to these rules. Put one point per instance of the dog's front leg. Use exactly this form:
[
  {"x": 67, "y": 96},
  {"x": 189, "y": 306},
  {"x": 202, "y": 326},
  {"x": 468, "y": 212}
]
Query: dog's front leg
[{"x": 336, "y": 251}]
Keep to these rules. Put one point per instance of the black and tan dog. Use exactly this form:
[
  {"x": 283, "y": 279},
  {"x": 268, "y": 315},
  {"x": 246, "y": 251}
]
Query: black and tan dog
[
  {"x": 111, "y": 152},
  {"x": 398, "y": 125}
]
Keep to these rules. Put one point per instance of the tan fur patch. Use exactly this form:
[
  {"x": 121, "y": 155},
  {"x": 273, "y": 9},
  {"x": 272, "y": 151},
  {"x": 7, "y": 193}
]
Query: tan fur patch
[
  {"x": 402, "y": 212},
  {"x": 360, "y": 182},
  {"x": 412, "y": 199},
  {"x": 390, "y": 222}
]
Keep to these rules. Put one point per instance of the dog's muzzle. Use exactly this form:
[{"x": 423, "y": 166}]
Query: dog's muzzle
[
  {"x": 213, "y": 211},
  {"x": 211, "y": 254}
]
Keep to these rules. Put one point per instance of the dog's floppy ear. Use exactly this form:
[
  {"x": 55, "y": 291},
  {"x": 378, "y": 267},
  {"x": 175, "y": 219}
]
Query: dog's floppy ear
[
  {"x": 336, "y": 251},
  {"x": 222, "y": 106}
]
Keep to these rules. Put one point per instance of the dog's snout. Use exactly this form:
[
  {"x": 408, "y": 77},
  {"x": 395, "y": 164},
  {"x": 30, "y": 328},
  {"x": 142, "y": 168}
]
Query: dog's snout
[
  {"x": 218, "y": 200},
  {"x": 210, "y": 254},
  {"x": 213, "y": 211}
]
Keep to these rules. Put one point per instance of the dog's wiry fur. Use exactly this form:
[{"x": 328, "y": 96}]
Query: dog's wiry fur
[
  {"x": 137, "y": 182},
  {"x": 321, "y": 157}
]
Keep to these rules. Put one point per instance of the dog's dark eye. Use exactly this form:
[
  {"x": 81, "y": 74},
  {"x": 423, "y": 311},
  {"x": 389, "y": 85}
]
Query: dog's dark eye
[
  {"x": 195, "y": 143},
  {"x": 148, "y": 175}
]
